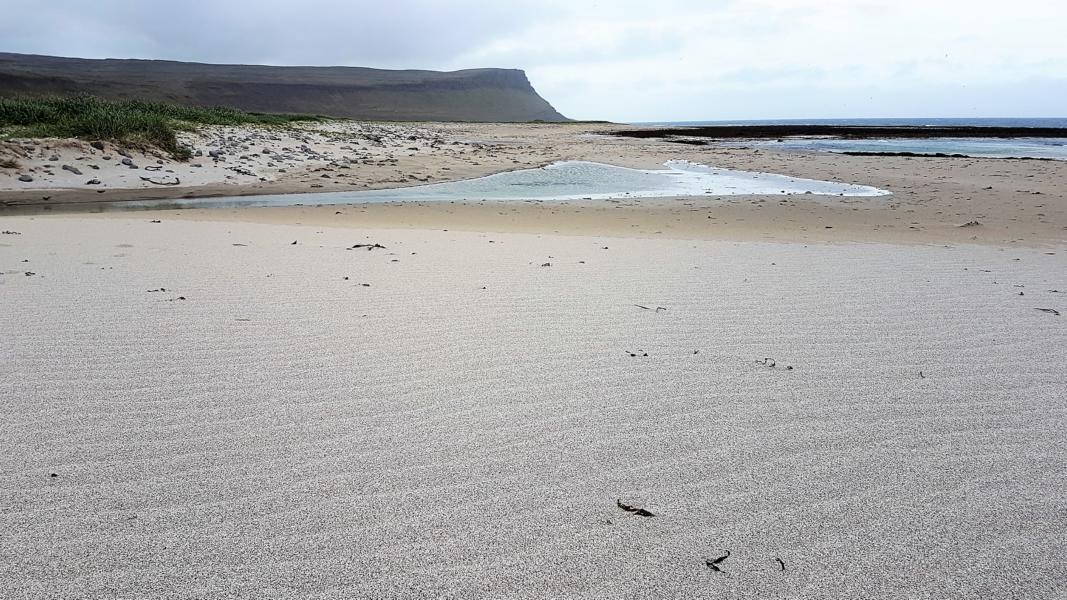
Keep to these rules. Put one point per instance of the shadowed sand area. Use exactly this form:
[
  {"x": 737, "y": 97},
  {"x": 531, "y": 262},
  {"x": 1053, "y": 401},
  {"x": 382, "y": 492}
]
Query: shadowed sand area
[{"x": 269, "y": 426}]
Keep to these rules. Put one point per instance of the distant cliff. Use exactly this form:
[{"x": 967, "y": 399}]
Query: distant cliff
[{"x": 354, "y": 92}]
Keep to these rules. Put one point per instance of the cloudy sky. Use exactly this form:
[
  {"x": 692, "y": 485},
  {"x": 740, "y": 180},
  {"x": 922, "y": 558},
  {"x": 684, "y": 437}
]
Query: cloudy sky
[{"x": 625, "y": 60}]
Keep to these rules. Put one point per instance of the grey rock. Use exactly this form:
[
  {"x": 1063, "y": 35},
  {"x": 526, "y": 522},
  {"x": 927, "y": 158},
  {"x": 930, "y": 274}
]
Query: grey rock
[
  {"x": 97, "y": 145},
  {"x": 127, "y": 161},
  {"x": 93, "y": 182},
  {"x": 74, "y": 170},
  {"x": 106, "y": 157},
  {"x": 53, "y": 158},
  {"x": 25, "y": 178}
]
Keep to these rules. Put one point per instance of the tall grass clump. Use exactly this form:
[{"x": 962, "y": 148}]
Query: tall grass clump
[{"x": 132, "y": 121}]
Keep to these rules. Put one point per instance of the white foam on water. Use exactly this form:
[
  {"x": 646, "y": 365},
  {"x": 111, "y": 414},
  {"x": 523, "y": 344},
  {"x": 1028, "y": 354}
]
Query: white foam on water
[
  {"x": 576, "y": 180},
  {"x": 730, "y": 182}
]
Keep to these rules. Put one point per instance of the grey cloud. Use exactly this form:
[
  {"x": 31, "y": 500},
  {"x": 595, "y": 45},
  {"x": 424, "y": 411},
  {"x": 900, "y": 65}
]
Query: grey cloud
[
  {"x": 631, "y": 44},
  {"x": 396, "y": 34},
  {"x": 618, "y": 59},
  {"x": 772, "y": 76}
]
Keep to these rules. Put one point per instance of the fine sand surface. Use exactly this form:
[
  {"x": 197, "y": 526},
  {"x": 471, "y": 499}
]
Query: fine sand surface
[{"x": 458, "y": 413}]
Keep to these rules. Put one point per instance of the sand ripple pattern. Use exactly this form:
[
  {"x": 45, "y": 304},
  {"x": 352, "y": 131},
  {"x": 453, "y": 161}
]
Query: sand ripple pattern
[{"x": 463, "y": 426}]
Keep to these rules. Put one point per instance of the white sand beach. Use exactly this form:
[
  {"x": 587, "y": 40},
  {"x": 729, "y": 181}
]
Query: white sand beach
[{"x": 202, "y": 408}]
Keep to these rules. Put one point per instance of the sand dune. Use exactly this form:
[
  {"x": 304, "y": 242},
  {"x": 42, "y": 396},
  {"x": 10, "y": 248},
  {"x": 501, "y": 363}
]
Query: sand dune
[{"x": 464, "y": 425}]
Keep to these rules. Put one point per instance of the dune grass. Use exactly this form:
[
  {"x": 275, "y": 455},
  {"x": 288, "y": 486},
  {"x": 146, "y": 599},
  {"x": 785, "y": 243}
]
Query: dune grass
[{"x": 130, "y": 121}]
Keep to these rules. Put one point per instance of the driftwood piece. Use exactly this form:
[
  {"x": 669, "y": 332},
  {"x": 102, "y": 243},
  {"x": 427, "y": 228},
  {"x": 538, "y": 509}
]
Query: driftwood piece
[
  {"x": 633, "y": 509},
  {"x": 154, "y": 181},
  {"x": 713, "y": 563}
]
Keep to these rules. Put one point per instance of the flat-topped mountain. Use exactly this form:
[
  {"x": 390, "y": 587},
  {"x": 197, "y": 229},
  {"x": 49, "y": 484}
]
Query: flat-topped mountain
[{"x": 352, "y": 92}]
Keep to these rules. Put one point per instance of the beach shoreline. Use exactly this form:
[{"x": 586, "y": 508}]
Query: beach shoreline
[{"x": 948, "y": 200}]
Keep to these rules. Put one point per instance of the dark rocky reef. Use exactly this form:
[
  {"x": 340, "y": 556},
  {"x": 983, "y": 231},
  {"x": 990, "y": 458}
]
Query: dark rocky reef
[{"x": 751, "y": 132}]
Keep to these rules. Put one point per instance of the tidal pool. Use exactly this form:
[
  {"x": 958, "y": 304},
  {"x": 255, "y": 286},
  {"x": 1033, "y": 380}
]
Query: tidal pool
[{"x": 569, "y": 180}]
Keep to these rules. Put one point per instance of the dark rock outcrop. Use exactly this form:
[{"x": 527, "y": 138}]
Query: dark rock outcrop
[{"x": 503, "y": 95}]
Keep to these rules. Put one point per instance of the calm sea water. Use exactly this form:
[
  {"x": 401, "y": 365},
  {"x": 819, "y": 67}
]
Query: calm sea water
[
  {"x": 993, "y": 122},
  {"x": 1050, "y": 148}
]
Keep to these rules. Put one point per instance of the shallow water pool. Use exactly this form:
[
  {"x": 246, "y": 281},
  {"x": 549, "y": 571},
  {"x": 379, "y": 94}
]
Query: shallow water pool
[{"x": 569, "y": 180}]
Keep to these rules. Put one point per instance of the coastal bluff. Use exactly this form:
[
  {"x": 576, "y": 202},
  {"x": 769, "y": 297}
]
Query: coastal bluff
[{"x": 484, "y": 95}]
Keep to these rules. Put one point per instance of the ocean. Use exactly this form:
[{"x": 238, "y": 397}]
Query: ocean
[
  {"x": 958, "y": 122},
  {"x": 1047, "y": 148}
]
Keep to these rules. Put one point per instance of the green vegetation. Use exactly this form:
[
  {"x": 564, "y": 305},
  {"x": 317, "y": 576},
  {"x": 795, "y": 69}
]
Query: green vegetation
[{"x": 129, "y": 121}]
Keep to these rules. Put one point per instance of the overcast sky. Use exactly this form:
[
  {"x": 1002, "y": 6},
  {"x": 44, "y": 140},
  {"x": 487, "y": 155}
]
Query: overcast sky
[{"x": 626, "y": 60}]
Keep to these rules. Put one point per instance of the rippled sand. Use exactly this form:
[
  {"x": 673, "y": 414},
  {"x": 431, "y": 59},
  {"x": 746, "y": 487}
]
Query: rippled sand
[{"x": 464, "y": 425}]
